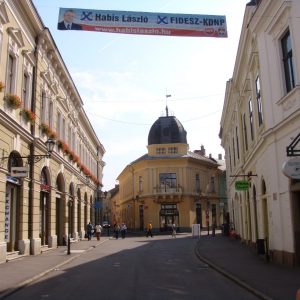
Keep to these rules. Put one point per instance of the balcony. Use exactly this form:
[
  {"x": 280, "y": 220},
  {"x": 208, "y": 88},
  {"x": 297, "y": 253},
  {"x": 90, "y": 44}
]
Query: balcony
[{"x": 168, "y": 194}]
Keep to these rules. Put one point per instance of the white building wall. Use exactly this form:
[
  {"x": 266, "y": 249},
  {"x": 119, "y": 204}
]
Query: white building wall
[{"x": 260, "y": 53}]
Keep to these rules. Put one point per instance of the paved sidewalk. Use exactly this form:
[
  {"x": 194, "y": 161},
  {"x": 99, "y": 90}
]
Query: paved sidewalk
[
  {"x": 17, "y": 273},
  {"x": 242, "y": 264}
]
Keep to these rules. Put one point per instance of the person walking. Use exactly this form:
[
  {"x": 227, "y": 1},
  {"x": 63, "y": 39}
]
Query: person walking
[
  {"x": 173, "y": 230},
  {"x": 123, "y": 230},
  {"x": 116, "y": 230},
  {"x": 149, "y": 229},
  {"x": 89, "y": 231},
  {"x": 98, "y": 229}
]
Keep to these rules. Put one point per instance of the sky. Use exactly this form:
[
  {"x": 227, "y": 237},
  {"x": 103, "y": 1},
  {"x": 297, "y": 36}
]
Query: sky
[{"x": 123, "y": 79}]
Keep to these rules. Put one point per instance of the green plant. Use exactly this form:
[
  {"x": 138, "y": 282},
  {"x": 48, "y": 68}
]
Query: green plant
[
  {"x": 45, "y": 128},
  {"x": 28, "y": 115},
  {"x": 12, "y": 101}
]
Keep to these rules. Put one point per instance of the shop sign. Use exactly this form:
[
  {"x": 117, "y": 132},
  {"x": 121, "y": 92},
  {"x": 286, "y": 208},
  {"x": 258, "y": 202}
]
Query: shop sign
[
  {"x": 7, "y": 217},
  {"x": 242, "y": 185},
  {"x": 13, "y": 180},
  {"x": 291, "y": 168},
  {"x": 45, "y": 188}
]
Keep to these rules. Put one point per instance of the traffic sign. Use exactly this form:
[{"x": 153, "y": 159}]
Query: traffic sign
[{"x": 242, "y": 185}]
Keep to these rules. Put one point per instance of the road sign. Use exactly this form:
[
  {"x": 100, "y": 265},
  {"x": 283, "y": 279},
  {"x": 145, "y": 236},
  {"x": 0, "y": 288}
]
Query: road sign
[
  {"x": 19, "y": 171},
  {"x": 291, "y": 168},
  {"x": 242, "y": 185}
]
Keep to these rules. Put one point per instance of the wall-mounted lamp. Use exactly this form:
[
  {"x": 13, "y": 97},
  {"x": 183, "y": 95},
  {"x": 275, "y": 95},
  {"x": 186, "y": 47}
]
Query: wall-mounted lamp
[{"x": 33, "y": 158}]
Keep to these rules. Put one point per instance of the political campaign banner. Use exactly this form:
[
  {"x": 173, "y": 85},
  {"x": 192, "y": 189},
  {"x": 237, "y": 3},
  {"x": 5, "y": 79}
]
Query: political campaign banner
[{"x": 144, "y": 23}]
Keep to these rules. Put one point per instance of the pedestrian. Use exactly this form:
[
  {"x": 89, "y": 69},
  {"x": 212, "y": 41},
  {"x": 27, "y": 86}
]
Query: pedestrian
[
  {"x": 89, "y": 230},
  {"x": 149, "y": 229},
  {"x": 98, "y": 229},
  {"x": 116, "y": 230},
  {"x": 123, "y": 230},
  {"x": 173, "y": 230}
]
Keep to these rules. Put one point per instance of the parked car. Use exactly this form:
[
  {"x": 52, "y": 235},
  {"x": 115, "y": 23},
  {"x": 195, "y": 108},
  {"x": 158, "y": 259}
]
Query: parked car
[{"x": 105, "y": 224}]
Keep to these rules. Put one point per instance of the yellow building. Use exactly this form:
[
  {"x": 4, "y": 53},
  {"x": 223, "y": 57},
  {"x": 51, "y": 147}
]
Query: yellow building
[{"x": 169, "y": 184}]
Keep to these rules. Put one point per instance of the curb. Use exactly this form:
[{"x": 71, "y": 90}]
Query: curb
[
  {"x": 40, "y": 275},
  {"x": 233, "y": 278}
]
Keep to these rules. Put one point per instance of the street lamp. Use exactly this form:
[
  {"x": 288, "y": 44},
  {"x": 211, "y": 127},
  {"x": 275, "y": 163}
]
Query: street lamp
[{"x": 33, "y": 158}]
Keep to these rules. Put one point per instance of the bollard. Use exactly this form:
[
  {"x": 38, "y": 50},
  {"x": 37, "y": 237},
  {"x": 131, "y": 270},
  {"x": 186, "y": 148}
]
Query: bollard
[{"x": 69, "y": 246}]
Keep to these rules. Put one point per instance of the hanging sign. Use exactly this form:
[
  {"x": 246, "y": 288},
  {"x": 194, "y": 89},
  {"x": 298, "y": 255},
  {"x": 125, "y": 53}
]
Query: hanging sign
[
  {"x": 242, "y": 185},
  {"x": 144, "y": 23},
  {"x": 291, "y": 168},
  {"x": 19, "y": 171}
]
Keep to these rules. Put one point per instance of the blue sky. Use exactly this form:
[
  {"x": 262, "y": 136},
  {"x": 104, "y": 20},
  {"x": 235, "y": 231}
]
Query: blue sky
[{"x": 123, "y": 79}]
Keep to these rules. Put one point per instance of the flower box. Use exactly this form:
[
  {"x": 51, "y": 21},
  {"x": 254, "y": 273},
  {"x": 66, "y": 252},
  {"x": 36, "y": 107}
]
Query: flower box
[
  {"x": 12, "y": 101},
  {"x": 28, "y": 115}
]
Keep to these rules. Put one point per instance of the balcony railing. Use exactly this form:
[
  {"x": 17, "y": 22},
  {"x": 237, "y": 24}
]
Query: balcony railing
[{"x": 164, "y": 190}]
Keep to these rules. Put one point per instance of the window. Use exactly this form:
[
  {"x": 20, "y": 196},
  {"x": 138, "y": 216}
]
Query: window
[
  {"x": 233, "y": 149},
  {"x": 245, "y": 132},
  {"x": 172, "y": 150},
  {"x": 63, "y": 130},
  {"x": 167, "y": 180},
  {"x": 25, "y": 94},
  {"x": 58, "y": 125},
  {"x": 43, "y": 107},
  {"x": 70, "y": 136},
  {"x": 197, "y": 183},
  {"x": 230, "y": 162},
  {"x": 50, "y": 119},
  {"x": 251, "y": 118},
  {"x": 287, "y": 59},
  {"x": 10, "y": 84},
  {"x": 140, "y": 184},
  {"x": 237, "y": 143},
  {"x": 259, "y": 101},
  {"x": 160, "y": 151}
]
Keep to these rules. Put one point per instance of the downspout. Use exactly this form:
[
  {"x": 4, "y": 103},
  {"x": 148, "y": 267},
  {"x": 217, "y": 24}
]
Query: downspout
[{"x": 31, "y": 148}]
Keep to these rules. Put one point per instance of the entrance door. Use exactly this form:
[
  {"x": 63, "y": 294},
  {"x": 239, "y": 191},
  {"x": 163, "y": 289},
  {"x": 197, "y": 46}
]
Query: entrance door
[
  {"x": 168, "y": 215},
  {"x": 44, "y": 218},
  {"x": 199, "y": 214},
  {"x": 11, "y": 217},
  {"x": 59, "y": 220},
  {"x": 141, "y": 215},
  {"x": 296, "y": 209}
]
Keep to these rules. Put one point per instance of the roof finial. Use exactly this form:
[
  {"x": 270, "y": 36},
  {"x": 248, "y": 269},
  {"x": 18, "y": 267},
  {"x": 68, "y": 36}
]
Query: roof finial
[{"x": 167, "y": 110}]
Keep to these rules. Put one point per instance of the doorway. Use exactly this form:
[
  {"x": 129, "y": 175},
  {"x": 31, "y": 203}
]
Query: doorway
[
  {"x": 296, "y": 218},
  {"x": 168, "y": 215},
  {"x": 12, "y": 214}
]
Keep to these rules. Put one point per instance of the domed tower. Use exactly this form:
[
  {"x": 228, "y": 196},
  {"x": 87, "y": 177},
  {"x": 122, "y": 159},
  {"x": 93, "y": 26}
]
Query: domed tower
[{"x": 167, "y": 136}]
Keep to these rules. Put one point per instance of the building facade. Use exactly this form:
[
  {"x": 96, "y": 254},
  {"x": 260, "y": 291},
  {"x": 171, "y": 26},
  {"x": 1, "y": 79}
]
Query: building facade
[
  {"x": 169, "y": 184},
  {"x": 260, "y": 120},
  {"x": 55, "y": 196}
]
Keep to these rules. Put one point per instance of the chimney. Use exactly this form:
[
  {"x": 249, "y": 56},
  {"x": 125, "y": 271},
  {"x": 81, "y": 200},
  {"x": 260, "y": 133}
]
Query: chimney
[
  {"x": 220, "y": 156},
  {"x": 202, "y": 151}
]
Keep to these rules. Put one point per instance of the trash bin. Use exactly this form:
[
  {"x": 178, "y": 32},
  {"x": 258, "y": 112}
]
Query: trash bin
[{"x": 260, "y": 246}]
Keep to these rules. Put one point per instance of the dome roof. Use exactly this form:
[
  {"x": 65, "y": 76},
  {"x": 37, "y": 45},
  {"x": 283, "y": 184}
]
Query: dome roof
[{"x": 167, "y": 130}]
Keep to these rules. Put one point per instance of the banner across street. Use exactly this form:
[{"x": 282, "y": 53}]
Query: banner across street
[{"x": 144, "y": 23}]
